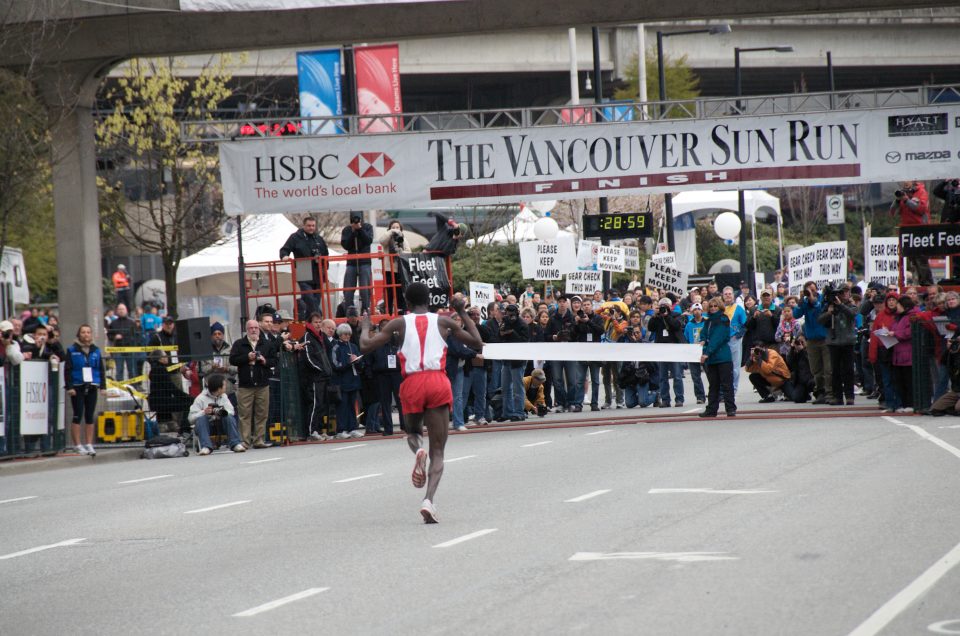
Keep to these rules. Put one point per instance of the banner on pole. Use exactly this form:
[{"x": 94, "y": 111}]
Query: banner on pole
[
  {"x": 665, "y": 258},
  {"x": 34, "y": 397},
  {"x": 610, "y": 259},
  {"x": 321, "y": 94},
  {"x": 378, "y": 87},
  {"x": 503, "y": 165},
  {"x": 431, "y": 270},
  {"x": 584, "y": 283},
  {"x": 481, "y": 295},
  {"x": 587, "y": 254},
  {"x": 823, "y": 263},
  {"x": 883, "y": 260},
  {"x": 548, "y": 260},
  {"x": 666, "y": 278}
]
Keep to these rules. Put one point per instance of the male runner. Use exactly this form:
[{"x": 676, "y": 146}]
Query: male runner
[{"x": 425, "y": 392}]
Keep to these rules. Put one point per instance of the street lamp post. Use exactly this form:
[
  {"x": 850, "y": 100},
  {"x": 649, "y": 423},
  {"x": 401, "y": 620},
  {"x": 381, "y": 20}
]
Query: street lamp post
[
  {"x": 745, "y": 271},
  {"x": 662, "y": 79}
]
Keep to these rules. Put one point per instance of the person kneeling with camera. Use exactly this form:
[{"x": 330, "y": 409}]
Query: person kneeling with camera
[
  {"x": 213, "y": 406},
  {"x": 534, "y": 401},
  {"x": 768, "y": 373}
]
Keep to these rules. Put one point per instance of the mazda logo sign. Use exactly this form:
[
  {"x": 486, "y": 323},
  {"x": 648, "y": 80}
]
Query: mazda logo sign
[{"x": 893, "y": 157}]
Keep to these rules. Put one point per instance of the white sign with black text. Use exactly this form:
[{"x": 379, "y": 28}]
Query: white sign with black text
[
  {"x": 835, "y": 214},
  {"x": 823, "y": 263},
  {"x": 481, "y": 295},
  {"x": 548, "y": 260},
  {"x": 665, "y": 258},
  {"x": 584, "y": 283},
  {"x": 883, "y": 260},
  {"x": 610, "y": 259},
  {"x": 631, "y": 258},
  {"x": 666, "y": 278}
]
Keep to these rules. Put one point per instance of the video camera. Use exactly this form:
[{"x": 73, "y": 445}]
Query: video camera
[
  {"x": 355, "y": 217},
  {"x": 905, "y": 192},
  {"x": 830, "y": 295},
  {"x": 220, "y": 412},
  {"x": 542, "y": 410}
]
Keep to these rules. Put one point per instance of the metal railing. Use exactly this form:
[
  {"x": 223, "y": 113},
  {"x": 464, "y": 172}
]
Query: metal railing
[{"x": 607, "y": 113}]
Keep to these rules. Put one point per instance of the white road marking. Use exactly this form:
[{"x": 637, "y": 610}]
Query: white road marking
[
  {"x": 882, "y": 617},
  {"x": 264, "y": 461},
  {"x": 343, "y": 481},
  {"x": 892, "y": 420},
  {"x": 709, "y": 491},
  {"x": 340, "y": 448},
  {"x": 607, "y": 430},
  {"x": 41, "y": 548},
  {"x": 679, "y": 557},
  {"x": 18, "y": 499},
  {"x": 226, "y": 505},
  {"x": 447, "y": 461},
  {"x": 953, "y": 450},
  {"x": 589, "y": 495},
  {"x": 951, "y": 426},
  {"x": 466, "y": 537},
  {"x": 692, "y": 410},
  {"x": 137, "y": 481},
  {"x": 951, "y": 626},
  {"x": 266, "y": 607},
  {"x": 534, "y": 444}
]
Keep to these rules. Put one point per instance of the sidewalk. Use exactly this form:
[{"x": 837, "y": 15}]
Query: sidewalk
[{"x": 67, "y": 459}]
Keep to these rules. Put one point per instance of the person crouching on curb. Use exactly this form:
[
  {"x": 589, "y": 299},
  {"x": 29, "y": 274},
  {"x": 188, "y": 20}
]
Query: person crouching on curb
[
  {"x": 768, "y": 373},
  {"x": 211, "y": 406},
  {"x": 534, "y": 401}
]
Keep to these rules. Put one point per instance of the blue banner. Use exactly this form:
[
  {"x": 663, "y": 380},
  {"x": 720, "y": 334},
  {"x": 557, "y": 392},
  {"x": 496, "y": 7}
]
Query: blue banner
[{"x": 320, "y": 89}]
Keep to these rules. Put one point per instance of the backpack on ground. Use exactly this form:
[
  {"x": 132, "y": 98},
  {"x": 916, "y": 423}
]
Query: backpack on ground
[{"x": 163, "y": 446}]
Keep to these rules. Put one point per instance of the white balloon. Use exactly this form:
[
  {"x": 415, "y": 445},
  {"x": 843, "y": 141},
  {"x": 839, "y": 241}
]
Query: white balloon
[
  {"x": 727, "y": 226},
  {"x": 546, "y": 229}
]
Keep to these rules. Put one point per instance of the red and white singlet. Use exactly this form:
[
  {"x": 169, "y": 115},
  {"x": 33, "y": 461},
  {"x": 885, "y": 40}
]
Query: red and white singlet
[{"x": 423, "y": 360}]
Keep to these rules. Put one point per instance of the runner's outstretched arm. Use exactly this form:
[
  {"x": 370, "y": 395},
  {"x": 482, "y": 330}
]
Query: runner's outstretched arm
[
  {"x": 368, "y": 343},
  {"x": 468, "y": 334}
]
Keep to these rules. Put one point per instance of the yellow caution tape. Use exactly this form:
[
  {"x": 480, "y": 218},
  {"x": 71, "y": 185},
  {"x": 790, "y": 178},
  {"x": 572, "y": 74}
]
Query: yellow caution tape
[
  {"x": 136, "y": 380},
  {"x": 119, "y": 385},
  {"x": 139, "y": 349},
  {"x": 174, "y": 367}
]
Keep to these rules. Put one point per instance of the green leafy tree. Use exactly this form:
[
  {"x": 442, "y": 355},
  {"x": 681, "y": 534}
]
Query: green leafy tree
[
  {"x": 682, "y": 83},
  {"x": 179, "y": 208}
]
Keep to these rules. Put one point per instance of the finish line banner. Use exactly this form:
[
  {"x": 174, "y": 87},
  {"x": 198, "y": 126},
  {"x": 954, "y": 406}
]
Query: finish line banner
[{"x": 492, "y": 166}]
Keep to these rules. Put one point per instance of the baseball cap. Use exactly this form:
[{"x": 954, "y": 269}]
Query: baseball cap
[
  {"x": 665, "y": 301},
  {"x": 6, "y": 325},
  {"x": 575, "y": 299},
  {"x": 765, "y": 292},
  {"x": 284, "y": 315},
  {"x": 168, "y": 319},
  {"x": 696, "y": 306},
  {"x": 539, "y": 375},
  {"x": 121, "y": 266}
]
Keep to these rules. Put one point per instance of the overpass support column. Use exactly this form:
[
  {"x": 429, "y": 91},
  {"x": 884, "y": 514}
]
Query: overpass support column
[{"x": 69, "y": 98}]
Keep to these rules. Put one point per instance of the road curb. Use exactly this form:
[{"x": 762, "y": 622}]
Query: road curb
[{"x": 67, "y": 460}]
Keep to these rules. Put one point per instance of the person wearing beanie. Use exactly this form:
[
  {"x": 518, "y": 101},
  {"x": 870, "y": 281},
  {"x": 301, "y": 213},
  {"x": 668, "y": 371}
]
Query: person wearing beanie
[
  {"x": 534, "y": 401},
  {"x": 903, "y": 352},
  {"x": 220, "y": 362}
]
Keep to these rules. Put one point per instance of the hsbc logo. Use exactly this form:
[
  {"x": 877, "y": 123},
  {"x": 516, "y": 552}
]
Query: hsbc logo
[{"x": 371, "y": 164}]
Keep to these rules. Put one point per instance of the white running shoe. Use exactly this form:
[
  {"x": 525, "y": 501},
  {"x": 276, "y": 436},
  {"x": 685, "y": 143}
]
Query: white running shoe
[
  {"x": 82, "y": 450},
  {"x": 461, "y": 428},
  {"x": 356, "y": 434},
  {"x": 204, "y": 451},
  {"x": 343, "y": 435},
  {"x": 419, "y": 475},
  {"x": 429, "y": 512},
  {"x": 239, "y": 448},
  {"x": 316, "y": 436},
  {"x": 91, "y": 450}
]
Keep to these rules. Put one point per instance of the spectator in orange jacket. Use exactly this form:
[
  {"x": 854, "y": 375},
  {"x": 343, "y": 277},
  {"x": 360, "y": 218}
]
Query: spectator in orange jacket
[
  {"x": 768, "y": 372},
  {"x": 121, "y": 286}
]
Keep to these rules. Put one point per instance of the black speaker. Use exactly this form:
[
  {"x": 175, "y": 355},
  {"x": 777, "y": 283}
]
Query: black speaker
[{"x": 193, "y": 338}]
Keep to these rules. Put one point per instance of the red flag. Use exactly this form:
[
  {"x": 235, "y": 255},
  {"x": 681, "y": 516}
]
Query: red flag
[{"x": 378, "y": 86}]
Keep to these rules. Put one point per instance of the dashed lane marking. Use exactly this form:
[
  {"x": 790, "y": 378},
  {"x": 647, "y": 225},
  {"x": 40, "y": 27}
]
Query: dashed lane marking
[
  {"x": 40, "y": 548},
  {"x": 143, "y": 479},
  {"x": 348, "y": 479},
  {"x": 264, "y": 461},
  {"x": 226, "y": 505},
  {"x": 707, "y": 491},
  {"x": 466, "y": 537},
  {"x": 606, "y": 430},
  {"x": 534, "y": 444},
  {"x": 589, "y": 495},
  {"x": 343, "y": 448},
  {"x": 18, "y": 499},
  {"x": 266, "y": 607},
  {"x": 678, "y": 557},
  {"x": 452, "y": 459}
]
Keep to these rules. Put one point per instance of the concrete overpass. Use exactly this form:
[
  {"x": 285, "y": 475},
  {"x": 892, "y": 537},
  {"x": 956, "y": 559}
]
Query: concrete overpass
[{"x": 69, "y": 46}]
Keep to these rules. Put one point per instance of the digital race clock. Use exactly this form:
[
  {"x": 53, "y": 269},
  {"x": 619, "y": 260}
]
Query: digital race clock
[{"x": 619, "y": 225}]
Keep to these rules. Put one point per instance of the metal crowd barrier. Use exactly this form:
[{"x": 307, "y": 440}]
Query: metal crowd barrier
[{"x": 34, "y": 412}]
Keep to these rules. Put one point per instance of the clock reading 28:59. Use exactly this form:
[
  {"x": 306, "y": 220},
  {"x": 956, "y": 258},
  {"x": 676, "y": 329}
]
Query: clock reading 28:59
[{"x": 619, "y": 225}]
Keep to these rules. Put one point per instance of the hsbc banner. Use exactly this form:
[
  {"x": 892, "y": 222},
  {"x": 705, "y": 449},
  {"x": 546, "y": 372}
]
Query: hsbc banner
[
  {"x": 378, "y": 86},
  {"x": 492, "y": 166}
]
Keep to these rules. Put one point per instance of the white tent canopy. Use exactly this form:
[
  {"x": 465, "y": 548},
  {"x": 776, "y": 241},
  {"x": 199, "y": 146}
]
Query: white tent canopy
[{"x": 700, "y": 203}]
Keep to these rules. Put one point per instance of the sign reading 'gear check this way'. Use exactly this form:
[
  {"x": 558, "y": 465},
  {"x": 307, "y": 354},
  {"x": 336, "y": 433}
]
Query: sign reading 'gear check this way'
[{"x": 480, "y": 167}]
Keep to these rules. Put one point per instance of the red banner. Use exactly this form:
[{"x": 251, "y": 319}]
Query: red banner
[{"x": 378, "y": 86}]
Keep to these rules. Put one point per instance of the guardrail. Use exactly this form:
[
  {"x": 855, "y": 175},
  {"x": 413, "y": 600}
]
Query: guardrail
[{"x": 34, "y": 414}]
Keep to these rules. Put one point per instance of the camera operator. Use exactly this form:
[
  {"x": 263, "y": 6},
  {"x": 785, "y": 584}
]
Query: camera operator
[
  {"x": 637, "y": 380},
  {"x": 446, "y": 240},
  {"x": 949, "y": 192},
  {"x": 840, "y": 318},
  {"x": 393, "y": 243},
  {"x": 815, "y": 335},
  {"x": 356, "y": 238},
  {"x": 666, "y": 328},
  {"x": 565, "y": 373},
  {"x": 590, "y": 327},
  {"x": 11, "y": 348},
  {"x": 534, "y": 401},
  {"x": 949, "y": 402},
  {"x": 512, "y": 330},
  {"x": 768, "y": 373},
  {"x": 913, "y": 206},
  {"x": 212, "y": 406},
  {"x": 307, "y": 243},
  {"x": 802, "y": 383}
]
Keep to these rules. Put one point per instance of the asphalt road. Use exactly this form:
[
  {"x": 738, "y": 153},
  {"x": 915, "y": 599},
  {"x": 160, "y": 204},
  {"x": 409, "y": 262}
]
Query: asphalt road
[{"x": 792, "y": 524}]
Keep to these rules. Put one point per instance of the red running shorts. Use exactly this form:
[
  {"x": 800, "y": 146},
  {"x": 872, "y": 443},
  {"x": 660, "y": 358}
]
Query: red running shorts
[{"x": 425, "y": 390}]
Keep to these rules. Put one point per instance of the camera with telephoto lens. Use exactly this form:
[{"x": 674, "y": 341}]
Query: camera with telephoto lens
[
  {"x": 8, "y": 334},
  {"x": 758, "y": 353},
  {"x": 398, "y": 239},
  {"x": 542, "y": 410},
  {"x": 829, "y": 294},
  {"x": 955, "y": 345},
  {"x": 219, "y": 412},
  {"x": 905, "y": 192}
]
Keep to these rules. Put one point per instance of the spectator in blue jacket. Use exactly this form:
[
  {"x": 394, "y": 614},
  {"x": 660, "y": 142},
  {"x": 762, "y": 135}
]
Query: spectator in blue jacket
[
  {"x": 85, "y": 377},
  {"x": 345, "y": 358},
  {"x": 818, "y": 355},
  {"x": 692, "y": 332},
  {"x": 737, "y": 316},
  {"x": 459, "y": 356},
  {"x": 718, "y": 357}
]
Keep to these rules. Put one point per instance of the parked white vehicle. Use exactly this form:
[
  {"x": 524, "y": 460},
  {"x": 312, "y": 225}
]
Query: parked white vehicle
[{"x": 13, "y": 281}]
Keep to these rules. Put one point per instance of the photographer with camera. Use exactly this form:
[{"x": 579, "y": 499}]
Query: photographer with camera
[
  {"x": 393, "y": 243},
  {"x": 213, "y": 406},
  {"x": 356, "y": 238},
  {"x": 839, "y": 316},
  {"x": 447, "y": 238},
  {"x": 815, "y": 335},
  {"x": 11, "y": 348},
  {"x": 949, "y": 191},
  {"x": 512, "y": 330},
  {"x": 912, "y": 204},
  {"x": 666, "y": 328},
  {"x": 534, "y": 401},
  {"x": 949, "y": 402},
  {"x": 566, "y": 373},
  {"x": 590, "y": 327},
  {"x": 802, "y": 383},
  {"x": 307, "y": 243},
  {"x": 768, "y": 373}
]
